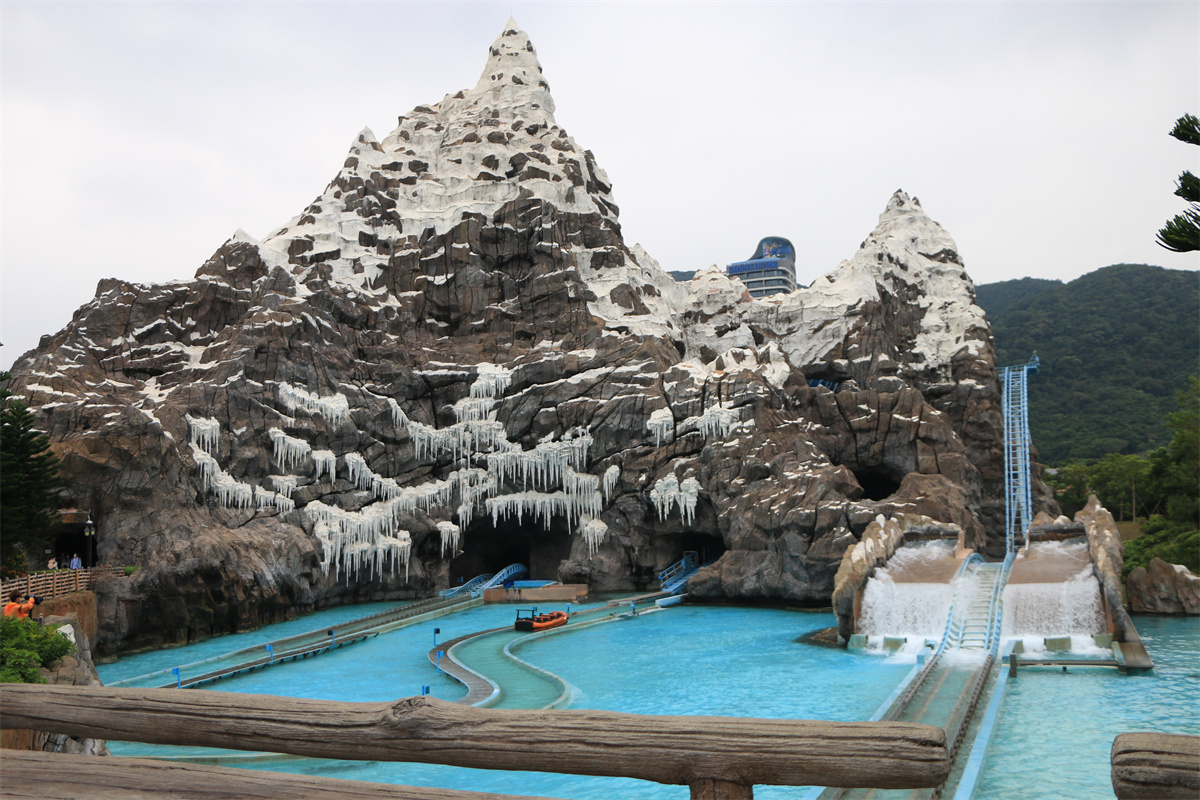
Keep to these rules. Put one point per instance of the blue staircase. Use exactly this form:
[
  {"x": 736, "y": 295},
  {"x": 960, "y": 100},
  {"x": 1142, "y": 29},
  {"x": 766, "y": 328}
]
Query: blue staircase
[
  {"x": 674, "y": 578},
  {"x": 1018, "y": 504}
]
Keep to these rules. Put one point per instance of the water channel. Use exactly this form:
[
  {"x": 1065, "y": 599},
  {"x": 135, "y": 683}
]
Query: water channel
[{"x": 716, "y": 660}]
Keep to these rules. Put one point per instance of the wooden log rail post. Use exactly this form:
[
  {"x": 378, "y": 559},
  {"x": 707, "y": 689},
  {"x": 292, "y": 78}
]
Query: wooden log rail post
[
  {"x": 1160, "y": 765},
  {"x": 720, "y": 758}
]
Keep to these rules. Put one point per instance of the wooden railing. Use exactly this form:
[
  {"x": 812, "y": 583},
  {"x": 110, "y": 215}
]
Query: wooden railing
[
  {"x": 53, "y": 583},
  {"x": 719, "y": 758}
]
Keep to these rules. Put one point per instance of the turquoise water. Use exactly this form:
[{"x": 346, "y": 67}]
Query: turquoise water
[
  {"x": 1052, "y": 740},
  {"x": 142, "y": 663},
  {"x": 1055, "y": 730}
]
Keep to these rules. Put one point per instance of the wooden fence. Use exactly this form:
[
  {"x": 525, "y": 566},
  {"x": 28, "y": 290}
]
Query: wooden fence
[
  {"x": 719, "y": 758},
  {"x": 53, "y": 583}
]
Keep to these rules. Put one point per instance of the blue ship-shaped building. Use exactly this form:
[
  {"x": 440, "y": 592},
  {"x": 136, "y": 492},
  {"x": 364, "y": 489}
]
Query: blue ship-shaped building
[{"x": 771, "y": 270}]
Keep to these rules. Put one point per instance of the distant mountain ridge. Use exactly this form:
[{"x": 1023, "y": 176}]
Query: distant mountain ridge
[{"x": 1116, "y": 346}]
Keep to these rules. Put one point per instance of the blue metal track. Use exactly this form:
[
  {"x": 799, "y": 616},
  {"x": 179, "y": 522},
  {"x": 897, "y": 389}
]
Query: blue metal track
[
  {"x": 1018, "y": 502},
  {"x": 500, "y": 578}
]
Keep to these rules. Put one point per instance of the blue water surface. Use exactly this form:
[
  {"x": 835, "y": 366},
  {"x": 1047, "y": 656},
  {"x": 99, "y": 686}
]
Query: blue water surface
[
  {"x": 1053, "y": 736},
  {"x": 1055, "y": 730}
]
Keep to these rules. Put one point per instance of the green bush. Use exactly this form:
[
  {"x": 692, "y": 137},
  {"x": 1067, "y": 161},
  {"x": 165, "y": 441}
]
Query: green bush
[
  {"x": 1173, "y": 542},
  {"x": 129, "y": 571},
  {"x": 25, "y": 646}
]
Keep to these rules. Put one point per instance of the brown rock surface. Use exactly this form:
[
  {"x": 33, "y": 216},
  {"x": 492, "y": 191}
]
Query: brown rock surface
[
  {"x": 1163, "y": 588},
  {"x": 324, "y": 415}
]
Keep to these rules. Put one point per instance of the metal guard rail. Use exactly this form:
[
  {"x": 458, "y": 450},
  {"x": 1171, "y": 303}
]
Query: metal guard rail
[
  {"x": 512, "y": 570},
  {"x": 685, "y": 564},
  {"x": 470, "y": 586}
]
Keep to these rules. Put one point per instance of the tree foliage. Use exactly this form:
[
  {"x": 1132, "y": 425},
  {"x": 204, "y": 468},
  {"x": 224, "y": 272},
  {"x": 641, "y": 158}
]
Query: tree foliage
[
  {"x": 1116, "y": 345},
  {"x": 1164, "y": 487},
  {"x": 1182, "y": 233},
  {"x": 25, "y": 646},
  {"x": 29, "y": 481}
]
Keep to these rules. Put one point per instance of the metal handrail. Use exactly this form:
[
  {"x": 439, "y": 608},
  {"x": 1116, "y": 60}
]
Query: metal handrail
[{"x": 499, "y": 578}]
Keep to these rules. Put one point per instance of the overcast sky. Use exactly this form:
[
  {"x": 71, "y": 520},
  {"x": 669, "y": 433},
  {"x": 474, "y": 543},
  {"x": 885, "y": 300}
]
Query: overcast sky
[{"x": 138, "y": 136}]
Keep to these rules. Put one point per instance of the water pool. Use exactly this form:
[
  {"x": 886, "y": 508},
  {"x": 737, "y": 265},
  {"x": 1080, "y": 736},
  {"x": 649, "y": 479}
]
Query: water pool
[
  {"x": 1055, "y": 730},
  {"x": 1052, "y": 740},
  {"x": 683, "y": 660}
]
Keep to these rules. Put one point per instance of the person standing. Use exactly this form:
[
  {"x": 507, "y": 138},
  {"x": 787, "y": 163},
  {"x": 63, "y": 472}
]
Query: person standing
[
  {"x": 52, "y": 564},
  {"x": 75, "y": 562}
]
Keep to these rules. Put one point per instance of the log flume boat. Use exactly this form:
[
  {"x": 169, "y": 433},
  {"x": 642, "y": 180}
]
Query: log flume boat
[{"x": 532, "y": 621}]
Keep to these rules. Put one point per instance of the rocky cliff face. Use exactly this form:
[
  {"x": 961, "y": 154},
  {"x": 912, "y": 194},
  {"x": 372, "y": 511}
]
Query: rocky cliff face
[{"x": 451, "y": 361}]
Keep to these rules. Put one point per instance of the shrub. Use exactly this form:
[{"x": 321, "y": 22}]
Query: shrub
[
  {"x": 25, "y": 646},
  {"x": 1173, "y": 542}
]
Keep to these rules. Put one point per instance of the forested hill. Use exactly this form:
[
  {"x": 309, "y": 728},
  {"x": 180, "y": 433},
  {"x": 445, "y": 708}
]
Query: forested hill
[{"x": 1116, "y": 346}]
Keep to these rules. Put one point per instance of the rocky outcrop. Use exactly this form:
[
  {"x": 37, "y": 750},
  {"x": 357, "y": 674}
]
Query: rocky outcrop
[
  {"x": 1107, "y": 554},
  {"x": 451, "y": 360},
  {"x": 878, "y": 543},
  {"x": 1163, "y": 588},
  {"x": 74, "y": 669}
]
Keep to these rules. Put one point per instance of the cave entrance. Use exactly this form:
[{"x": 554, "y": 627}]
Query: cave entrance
[
  {"x": 488, "y": 548},
  {"x": 878, "y": 483},
  {"x": 708, "y": 547}
]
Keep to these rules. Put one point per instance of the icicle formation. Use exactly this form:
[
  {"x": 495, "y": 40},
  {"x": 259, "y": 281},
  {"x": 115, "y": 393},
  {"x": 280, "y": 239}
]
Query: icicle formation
[
  {"x": 662, "y": 422},
  {"x": 611, "y": 476},
  {"x": 668, "y": 492},
  {"x": 230, "y": 493},
  {"x": 450, "y": 535},
  {"x": 284, "y": 484},
  {"x": 289, "y": 451},
  {"x": 593, "y": 532},
  {"x": 716, "y": 420},
  {"x": 492, "y": 380},
  {"x": 203, "y": 432},
  {"x": 324, "y": 463},
  {"x": 335, "y": 408},
  {"x": 545, "y": 465},
  {"x": 354, "y": 548}
]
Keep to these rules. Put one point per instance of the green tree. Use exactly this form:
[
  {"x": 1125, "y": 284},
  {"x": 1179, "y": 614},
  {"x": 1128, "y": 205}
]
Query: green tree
[
  {"x": 1175, "y": 469},
  {"x": 1182, "y": 234},
  {"x": 29, "y": 481}
]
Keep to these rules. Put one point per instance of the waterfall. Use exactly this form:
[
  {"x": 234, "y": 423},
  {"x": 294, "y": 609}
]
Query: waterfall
[
  {"x": 1068, "y": 607},
  {"x": 906, "y": 608}
]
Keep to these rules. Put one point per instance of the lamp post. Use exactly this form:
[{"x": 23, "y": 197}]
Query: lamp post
[{"x": 89, "y": 531}]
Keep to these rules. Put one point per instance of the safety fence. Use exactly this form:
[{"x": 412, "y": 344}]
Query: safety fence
[{"x": 53, "y": 583}]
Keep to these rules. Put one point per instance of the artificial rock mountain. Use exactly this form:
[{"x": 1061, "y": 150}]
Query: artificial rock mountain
[{"x": 451, "y": 361}]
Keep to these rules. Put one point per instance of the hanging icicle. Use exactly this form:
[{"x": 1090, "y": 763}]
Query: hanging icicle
[
  {"x": 203, "y": 432},
  {"x": 450, "y": 535},
  {"x": 611, "y": 476},
  {"x": 491, "y": 380},
  {"x": 716, "y": 421},
  {"x": 334, "y": 408},
  {"x": 324, "y": 463},
  {"x": 593, "y": 532},
  {"x": 689, "y": 494},
  {"x": 289, "y": 451},
  {"x": 661, "y": 423},
  {"x": 668, "y": 493}
]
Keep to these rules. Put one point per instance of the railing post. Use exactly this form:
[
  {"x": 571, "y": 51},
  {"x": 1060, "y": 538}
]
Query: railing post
[{"x": 711, "y": 789}]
